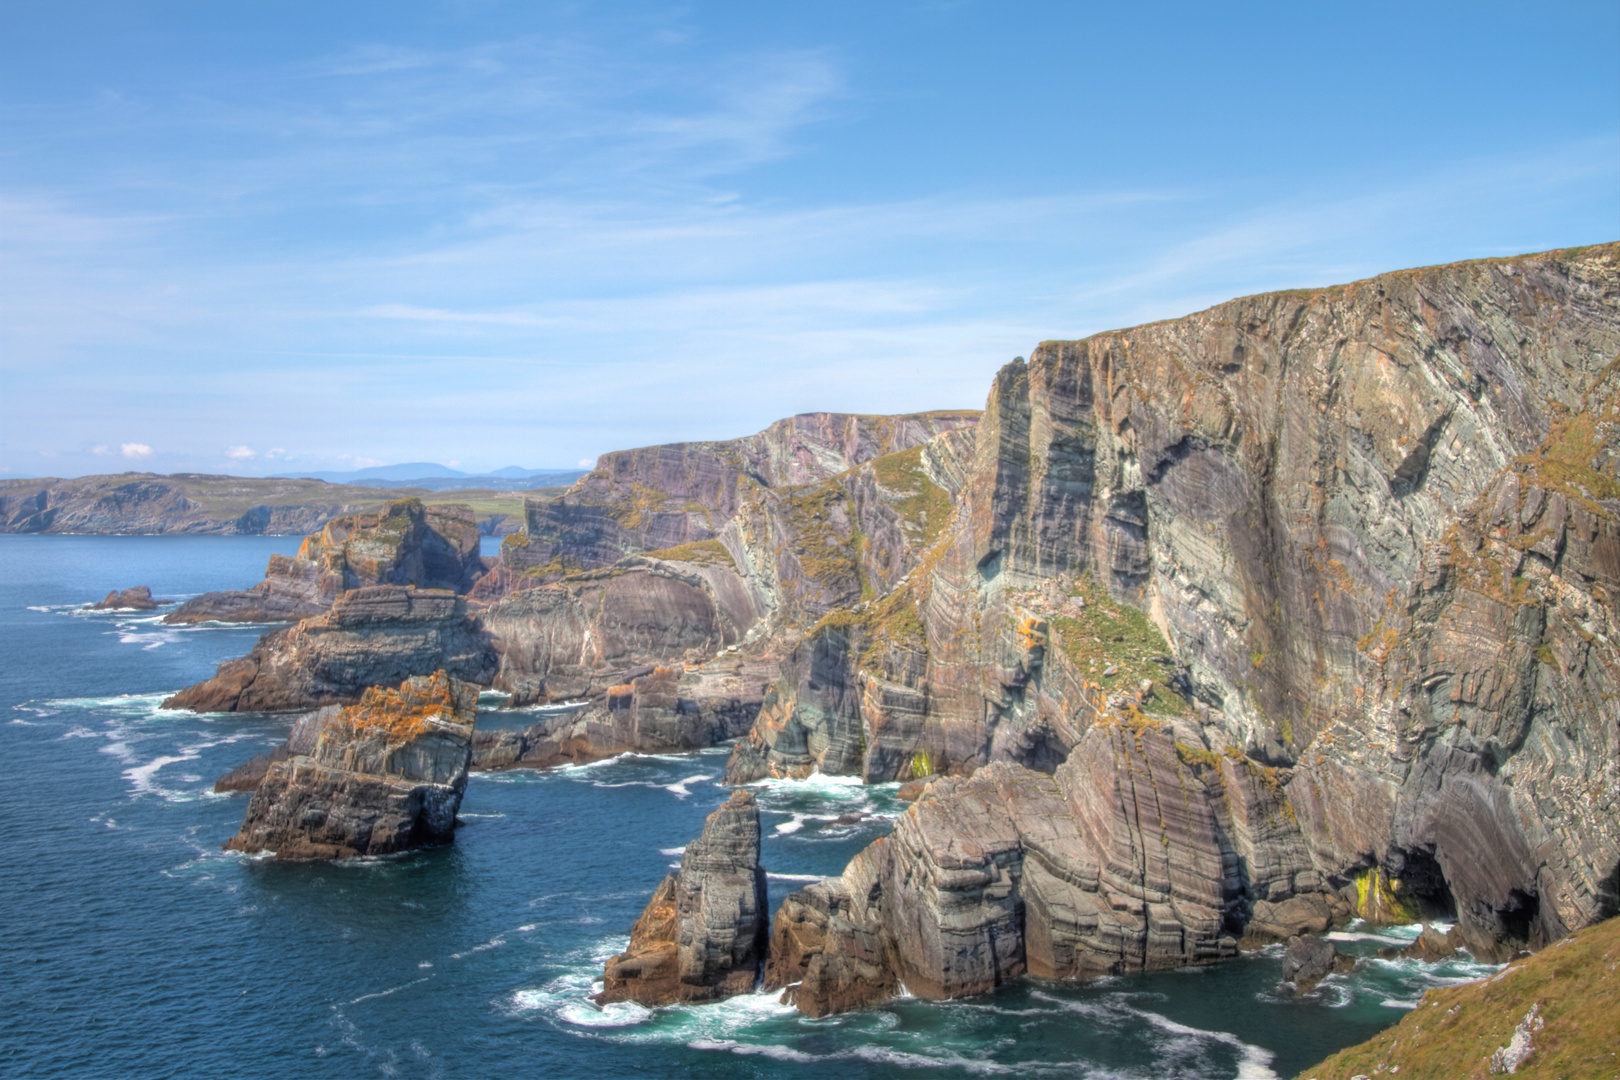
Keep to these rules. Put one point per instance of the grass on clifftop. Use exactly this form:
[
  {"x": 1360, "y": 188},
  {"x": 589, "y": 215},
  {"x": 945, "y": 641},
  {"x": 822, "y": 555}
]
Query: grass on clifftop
[{"x": 1453, "y": 1032}]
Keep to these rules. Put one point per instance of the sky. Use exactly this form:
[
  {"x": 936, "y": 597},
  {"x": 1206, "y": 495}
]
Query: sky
[{"x": 261, "y": 238}]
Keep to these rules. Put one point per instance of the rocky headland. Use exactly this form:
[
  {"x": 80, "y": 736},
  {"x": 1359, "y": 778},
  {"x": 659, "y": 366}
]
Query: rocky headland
[
  {"x": 702, "y": 936},
  {"x": 404, "y": 543},
  {"x": 374, "y": 636},
  {"x": 149, "y": 504},
  {"x": 383, "y": 776}
]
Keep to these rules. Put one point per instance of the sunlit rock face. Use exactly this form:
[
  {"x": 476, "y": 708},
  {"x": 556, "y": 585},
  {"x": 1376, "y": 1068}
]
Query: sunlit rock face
[{"x": 1364, "y": 537}]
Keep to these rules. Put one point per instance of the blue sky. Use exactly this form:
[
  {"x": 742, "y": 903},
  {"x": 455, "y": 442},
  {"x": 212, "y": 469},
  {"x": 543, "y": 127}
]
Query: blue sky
[{"x": 256, "y": 238}]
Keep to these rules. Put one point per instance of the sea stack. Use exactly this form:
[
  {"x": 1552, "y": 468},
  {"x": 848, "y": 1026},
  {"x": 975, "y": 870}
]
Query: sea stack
[
  {"x": 703, "y": 935},
  {"x": 137, "y": 599},
  {"x": 385, "y": 775}
]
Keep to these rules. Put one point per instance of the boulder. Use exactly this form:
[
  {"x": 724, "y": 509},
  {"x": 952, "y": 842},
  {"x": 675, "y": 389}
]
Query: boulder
[
  {"x": 1310, "y": 959},
  {"x": 702, "y": 936},
  {"x": 383, "y": 776},
  {"x": 137, "y": 599}
]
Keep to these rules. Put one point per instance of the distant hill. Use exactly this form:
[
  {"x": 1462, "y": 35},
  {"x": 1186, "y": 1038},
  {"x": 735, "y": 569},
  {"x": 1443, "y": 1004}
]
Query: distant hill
[
  {"x": 433, "y": 477},
  {"x": 146, "y": 503}
]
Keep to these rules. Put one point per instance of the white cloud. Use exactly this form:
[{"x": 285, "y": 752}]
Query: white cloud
[
  {"x": 101, "y": 451},
  {"x": 587, "y": 463},
  {"x": 240, "y": 453},
  {"x": 136, "y": 450}
]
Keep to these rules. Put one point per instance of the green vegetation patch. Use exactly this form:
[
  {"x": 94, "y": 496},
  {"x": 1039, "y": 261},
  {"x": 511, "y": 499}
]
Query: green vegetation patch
[
  {"x": 702, "y": 552},
  {"x": 1454, "y": 1031},
  {"x": 1108, "y": 634},
  {"x": 924, "y": 507},
  {"x": 1565, "y": 461},
  {"x": 824, "y": 552}
]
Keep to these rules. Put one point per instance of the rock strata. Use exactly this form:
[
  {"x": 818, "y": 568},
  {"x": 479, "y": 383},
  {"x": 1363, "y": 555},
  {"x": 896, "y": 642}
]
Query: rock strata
[
  {"x": 137, "y": 599},
  {"x": 375, "y": 636},
  {"x": 383, "y": 776},
  {"x": 405, "y": 543},
  {"x": 1360, "y": 543},
  {"x": 703, "y": 934}
]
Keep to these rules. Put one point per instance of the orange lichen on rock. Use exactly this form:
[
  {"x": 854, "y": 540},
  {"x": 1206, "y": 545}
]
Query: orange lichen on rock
[{"x": 402, "y": 713}]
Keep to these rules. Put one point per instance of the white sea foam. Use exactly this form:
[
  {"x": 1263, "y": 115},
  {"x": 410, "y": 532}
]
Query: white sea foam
[
  {"x": 672, "y": 850},
  {"x": 1353, "y": 935},
  {"x": 678, "y": 789},
  {"x": 788, "y": 828}
]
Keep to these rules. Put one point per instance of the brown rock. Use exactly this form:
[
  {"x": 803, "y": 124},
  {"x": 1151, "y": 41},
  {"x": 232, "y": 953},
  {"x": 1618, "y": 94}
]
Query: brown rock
[{"x": 137, "y": 599}]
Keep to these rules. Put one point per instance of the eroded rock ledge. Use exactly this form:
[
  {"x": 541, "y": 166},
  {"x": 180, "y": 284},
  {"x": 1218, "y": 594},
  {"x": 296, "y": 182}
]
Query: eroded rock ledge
[
  {"x": 383, "y": 776},
  {"x": 703, "y": 935}
]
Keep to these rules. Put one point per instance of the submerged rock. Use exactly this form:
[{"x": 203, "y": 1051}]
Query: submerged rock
[
  {"x": 137, "y": 599},
  {"x": 703, "y": 934},
  {"x": 383, "y": 776}
]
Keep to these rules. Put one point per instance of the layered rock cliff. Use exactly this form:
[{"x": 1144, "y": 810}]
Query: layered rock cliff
[
  {"x": 663, "y": 496},
  {"x": 373, "y": 636},
  {"x": 1363, "y": 537},
  {"x": 384, "y": 775},
  {"x": 703, "y": 934},
  {"x": 404, "y": 543}
]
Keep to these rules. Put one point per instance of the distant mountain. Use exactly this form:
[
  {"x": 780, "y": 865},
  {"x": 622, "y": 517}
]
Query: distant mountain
[
  {"x": 435, "y": 477},
  {"x": 535, "y": 479},
  {"x": 411, "y": 470}
]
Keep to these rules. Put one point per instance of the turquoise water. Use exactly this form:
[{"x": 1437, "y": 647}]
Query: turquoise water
[{"x": 134, "y": 947}]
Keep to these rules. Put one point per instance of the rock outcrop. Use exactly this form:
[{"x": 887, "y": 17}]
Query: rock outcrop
[
  {"x": 373, "y": 636},
  {"x": 383, "y": 776},
  {"x": 404, "y": 543},
  {"x": 137, "y": 599},
  {"x": 1310, "y": 959},
  {"x": 703, "y": 934},
  {"x": 1140, "y": 852},
  {"x": 1365, "y": 536}
]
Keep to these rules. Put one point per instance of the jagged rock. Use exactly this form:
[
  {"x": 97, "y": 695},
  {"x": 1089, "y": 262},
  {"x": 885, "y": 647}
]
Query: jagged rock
[
  {"x": 1310, "y": 959},
  {"x": 405, "y": 543},
  {"x": 383, "y": 776},
  {"x": 703, "y": 935},
  {"x": 1432, "y": 946},
  {"x": 376, "y": 636},
  {"x": 137, "y": 599}
]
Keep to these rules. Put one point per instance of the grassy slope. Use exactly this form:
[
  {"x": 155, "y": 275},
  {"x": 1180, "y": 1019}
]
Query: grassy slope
[{"x": 1454, "y": 1031}]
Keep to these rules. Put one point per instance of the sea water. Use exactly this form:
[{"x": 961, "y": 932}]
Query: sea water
[{"x": 132, "y": 946}]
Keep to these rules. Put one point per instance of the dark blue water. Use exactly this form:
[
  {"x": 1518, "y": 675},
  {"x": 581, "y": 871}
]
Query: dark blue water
[{"x": 131, "y": 946}]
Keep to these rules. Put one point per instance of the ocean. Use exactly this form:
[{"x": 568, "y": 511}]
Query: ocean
[{"x": 133, "y": 947}]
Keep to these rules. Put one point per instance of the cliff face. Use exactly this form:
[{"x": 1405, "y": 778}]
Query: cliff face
[
  {"x": 405, "y": 543},
  {"x": 383, "y": 776},
  {"x": 1364, "y": 536},
  {"x": 702, "y": 936},
  {"x": 663, "y": 496},
  {"x": 373, "y": 636}
]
